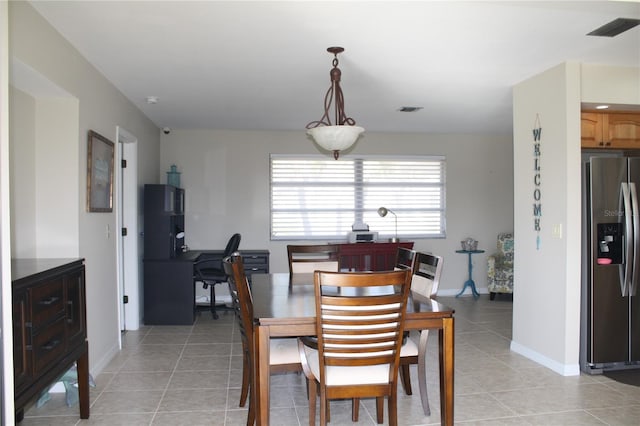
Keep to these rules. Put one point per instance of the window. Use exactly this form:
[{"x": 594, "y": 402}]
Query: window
[{"x": 314, "y": 197}]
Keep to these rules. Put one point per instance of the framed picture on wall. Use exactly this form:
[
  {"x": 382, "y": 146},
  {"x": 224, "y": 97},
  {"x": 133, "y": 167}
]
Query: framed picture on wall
[{"x": 99, "y": 173}]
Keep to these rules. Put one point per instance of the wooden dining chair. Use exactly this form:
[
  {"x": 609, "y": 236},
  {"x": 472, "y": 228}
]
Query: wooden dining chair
[
  {"x": 427, "y": 269},
  {"x": 284, "y": 356},
  {"x": 305, "y": 259},
  {"x": 359, "y": 325},
  {"x": 405, "y": 258}
]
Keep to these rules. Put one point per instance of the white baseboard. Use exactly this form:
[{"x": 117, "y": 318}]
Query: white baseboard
[{"x": 562, "y": 369}]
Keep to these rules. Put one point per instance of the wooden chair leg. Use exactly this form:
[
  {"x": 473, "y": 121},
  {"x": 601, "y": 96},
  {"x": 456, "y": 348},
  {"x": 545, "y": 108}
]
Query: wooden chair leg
[
  {"x": 244, "y": 392},
  {"x": 251, "y": 416},
  {"x": 313, "y": 396},
  {"x": 380, "y": 409},
  {"x": 405, "y": 378},
  {"x": 355, "y": 409},
  {"x": 324, "y": 405},
  {"x": 393, "y": 409}
]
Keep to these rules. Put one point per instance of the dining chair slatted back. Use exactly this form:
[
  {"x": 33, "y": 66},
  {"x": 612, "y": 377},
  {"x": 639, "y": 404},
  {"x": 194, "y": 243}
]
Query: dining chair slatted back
[
  {"x": 305, "y": 259},
  {"x": 405, "y": 258},
  {"x": 426, "y": 274},
  {"x": 427, "y": 270},
  {"x": 283, "y": 354},
  {"x": 359, "y": 326}
]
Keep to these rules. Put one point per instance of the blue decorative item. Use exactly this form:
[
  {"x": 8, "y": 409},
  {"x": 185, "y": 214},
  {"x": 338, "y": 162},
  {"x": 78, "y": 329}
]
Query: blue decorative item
[{"x": 173, "y": 176}]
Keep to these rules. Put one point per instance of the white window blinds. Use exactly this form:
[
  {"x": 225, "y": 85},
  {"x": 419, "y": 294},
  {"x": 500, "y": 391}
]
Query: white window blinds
[{"x": 314, "y": 197}]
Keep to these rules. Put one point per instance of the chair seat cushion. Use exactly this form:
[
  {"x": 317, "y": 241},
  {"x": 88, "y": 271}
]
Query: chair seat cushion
[
  {"x": 310, "y": 267},
  {"x": 337, "y": 376},
  {"x": 283, "y": 351},
  {"x": 409, "y": 348}
]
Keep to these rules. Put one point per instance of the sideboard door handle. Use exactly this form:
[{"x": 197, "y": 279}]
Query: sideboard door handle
[{"x": 49, "y": 301}]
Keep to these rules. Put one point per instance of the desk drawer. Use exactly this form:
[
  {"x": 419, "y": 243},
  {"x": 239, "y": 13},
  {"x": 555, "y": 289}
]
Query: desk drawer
[
  {"x": 255, "y": 259},
  {"x": 256, "y": 269}
]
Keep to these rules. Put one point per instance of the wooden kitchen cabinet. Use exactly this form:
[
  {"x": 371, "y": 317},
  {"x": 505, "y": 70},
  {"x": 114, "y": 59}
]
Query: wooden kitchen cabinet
[{"x": 610, "y": 130}]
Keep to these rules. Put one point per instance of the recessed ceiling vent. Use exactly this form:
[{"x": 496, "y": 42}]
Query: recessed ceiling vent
[
  {"x": 409, "y": 109},
  {"x": 615, "y": 27}
]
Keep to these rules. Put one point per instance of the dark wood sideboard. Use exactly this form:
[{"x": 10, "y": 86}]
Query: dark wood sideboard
[
  {"x": 370, "y": 256},
  {"x": 49, "y": 327}
]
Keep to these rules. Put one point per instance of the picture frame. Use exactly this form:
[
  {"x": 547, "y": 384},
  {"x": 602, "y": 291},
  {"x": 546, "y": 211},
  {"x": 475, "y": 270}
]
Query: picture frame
[{"x": 100, "y": 153}]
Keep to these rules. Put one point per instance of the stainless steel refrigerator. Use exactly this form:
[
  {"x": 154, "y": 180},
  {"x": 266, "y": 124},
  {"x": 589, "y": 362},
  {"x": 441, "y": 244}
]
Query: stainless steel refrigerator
[{"x": 610, "y": 315}]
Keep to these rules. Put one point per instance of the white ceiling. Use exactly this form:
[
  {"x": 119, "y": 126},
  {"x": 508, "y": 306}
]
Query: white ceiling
[{"x": 264, "y": 65}]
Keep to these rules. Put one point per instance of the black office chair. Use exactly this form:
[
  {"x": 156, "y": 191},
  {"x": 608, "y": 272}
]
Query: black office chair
[{"x": 211, "y": 272}]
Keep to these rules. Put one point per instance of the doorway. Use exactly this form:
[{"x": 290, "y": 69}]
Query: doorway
[{"x": 128, "y": 253}]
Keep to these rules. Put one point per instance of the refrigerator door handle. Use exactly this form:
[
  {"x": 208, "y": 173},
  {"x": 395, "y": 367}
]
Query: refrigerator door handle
[
  {"x": 631, "y": 290},
  {"x": 628, "y": 238}
]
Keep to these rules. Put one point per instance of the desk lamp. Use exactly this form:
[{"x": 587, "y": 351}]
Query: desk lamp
[{"x": 382, "y": 212}]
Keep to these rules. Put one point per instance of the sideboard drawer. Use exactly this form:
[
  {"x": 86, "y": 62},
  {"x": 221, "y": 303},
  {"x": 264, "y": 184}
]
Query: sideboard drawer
[
  {"x": 48, "y": 346},
  {"x": 46, "y": 302}
]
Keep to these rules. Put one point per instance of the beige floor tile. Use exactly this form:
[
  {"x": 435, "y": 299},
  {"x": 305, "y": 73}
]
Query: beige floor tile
[
  {"x": 209, "y": 379},
  {"x": 618, "y": 416},
  {"x": 211, "y": 349},
  {"x": 191, "y": 375},
  {"x": 194, "y": 400},
  {"x": 568, "y": 418},
  {"x": 190, "y": 418},
  {"x": 127, "y": 402},
  {"x": 118, "y": 420},
  {"x": 137, "y": 381},
  {"x": 196, "y": 363}
]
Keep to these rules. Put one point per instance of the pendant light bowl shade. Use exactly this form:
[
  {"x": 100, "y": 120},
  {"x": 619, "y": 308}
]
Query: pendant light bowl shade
[
  {"x": 335, "y": 138},
  {"x": 342, "y": 133}
]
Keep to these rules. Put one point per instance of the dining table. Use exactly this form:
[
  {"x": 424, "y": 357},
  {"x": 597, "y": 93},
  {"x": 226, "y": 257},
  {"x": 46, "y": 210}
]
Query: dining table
[{"x": 284, "y": 306}]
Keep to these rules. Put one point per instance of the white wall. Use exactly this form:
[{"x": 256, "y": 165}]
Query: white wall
[
  {"x": 6, "y": 376},
  {"x": 546, "y": 309},
  {"x": 34, "y": 43},
  {"x": 22, "y": 154},
  {"x": 612, "y": 85},
  {"x": 226, "y": 177}
]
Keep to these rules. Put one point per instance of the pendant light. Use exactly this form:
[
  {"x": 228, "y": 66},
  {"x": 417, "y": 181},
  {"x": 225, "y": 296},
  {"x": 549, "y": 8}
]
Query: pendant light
[{"x": 344, "y": 133}]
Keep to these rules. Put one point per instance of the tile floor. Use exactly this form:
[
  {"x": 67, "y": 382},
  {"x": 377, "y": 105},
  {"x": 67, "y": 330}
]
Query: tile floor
[{"x": 190, "y": 375}]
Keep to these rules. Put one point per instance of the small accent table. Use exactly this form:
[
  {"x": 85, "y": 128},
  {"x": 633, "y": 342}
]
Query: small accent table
[{"x": 469, "y": 282}]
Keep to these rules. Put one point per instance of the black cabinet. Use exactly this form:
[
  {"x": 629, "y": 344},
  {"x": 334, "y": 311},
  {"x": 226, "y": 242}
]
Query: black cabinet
[
  {"x": 169, "y": 292},
  {"x": 163, "y": 221}
]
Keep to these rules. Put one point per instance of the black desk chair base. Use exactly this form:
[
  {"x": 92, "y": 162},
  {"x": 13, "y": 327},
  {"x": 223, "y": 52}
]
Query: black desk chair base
[{"x": 212, "y": 306}]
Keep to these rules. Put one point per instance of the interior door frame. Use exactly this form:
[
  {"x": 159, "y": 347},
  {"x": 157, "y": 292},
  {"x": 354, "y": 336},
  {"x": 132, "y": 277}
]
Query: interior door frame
[{"x": 128, "y": 251}]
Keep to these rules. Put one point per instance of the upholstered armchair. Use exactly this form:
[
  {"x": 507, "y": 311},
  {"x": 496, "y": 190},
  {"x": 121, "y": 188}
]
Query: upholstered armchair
[{"x": 500, "y": 267}]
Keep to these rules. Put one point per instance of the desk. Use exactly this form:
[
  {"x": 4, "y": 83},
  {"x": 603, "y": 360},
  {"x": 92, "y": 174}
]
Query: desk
[
  {"x": 282, "y": 310},
  {"x": 169, "y": 291},
  {"x": 469, "y": 283}
]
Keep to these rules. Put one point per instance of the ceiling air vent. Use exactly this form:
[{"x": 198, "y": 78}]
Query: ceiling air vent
[{"x": 615, "y": 27}]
